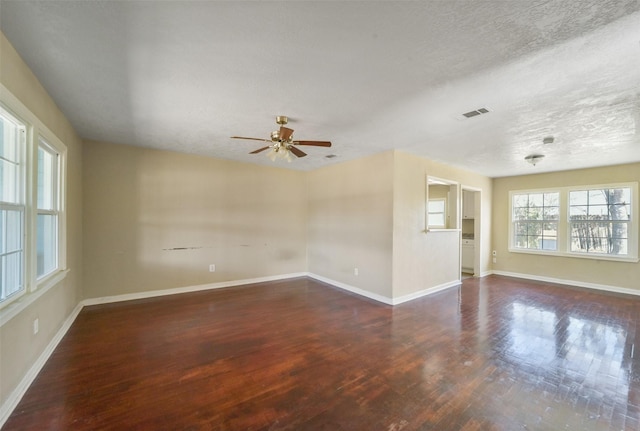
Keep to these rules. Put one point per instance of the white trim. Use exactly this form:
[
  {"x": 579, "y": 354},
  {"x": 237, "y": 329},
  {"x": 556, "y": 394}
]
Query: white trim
[
  {"x": 352, "y": 289},
  {"x": 581, "y": 255},
  {"x": 604, "y": 287},
  {"x": 425, "y": 292},
  {"x": 385, "y": 299},
  {"x": 18, "y": 392},
  {"x": 187, "y": 289}
]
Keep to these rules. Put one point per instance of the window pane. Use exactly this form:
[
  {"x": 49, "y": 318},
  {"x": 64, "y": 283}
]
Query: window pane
[
  {"x": 598, "y": 197},
  {"x": 520, "y": 213},
  {"x": 534, "y": 243},
  {"x": 47, "y": 243},
  {"x": 535, "y": 213},
  {"x": 619, "y": 247},
  {"x": 521, "y": 241},
  {"x": 10, "y": 231},
  {"x": 551, "y": 213},
  {"x": 598, "y": 212},
  {"x": 550, "y": 229},
  {"x": 10, "y": 274},
  {"x": 436, "y": 206},
  {"x": 520, "y": 229},
  {"x": 620, "y": 212},
  {"x": 10, "y": 140},
  {"x": 579, "y": 197},
  {"x": 578, "y": 212},
  {"x": 46, "y": 179},
  {"x": 552, "y": 199},
  {"x": 520, "y": 201},
  {"x": 534, "y": 229},
  {"x": 436, "y": 219},
  {"x": 549, "y": 243},
  {"x": 619, "y": 230},
  {"x": 536, "y": 199}
]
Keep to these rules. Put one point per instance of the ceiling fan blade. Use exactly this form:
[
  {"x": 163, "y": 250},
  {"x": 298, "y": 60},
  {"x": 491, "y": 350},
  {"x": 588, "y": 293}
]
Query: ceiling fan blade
[
  {"x": 297, "y": 151},
  {"x": 252, "y": 139},
  {"x": 313, "y": 143},
  {"x": 259, "y": 150},
  {"x": 285, "y": 133}
]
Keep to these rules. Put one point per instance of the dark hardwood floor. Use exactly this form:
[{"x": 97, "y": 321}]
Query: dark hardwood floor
[{"x": 495, "y": 354}]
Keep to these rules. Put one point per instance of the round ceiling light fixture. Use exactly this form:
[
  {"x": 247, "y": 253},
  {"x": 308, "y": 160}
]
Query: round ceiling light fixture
[{"x": 534, "y": 158}]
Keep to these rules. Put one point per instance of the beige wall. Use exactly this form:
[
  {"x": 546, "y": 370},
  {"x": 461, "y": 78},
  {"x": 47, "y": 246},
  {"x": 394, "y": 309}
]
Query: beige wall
[
  {"x": 426, "y": 260},
  {"x": 19, "y": 348},
  {"x": 157, "y": 220},
  {"x": 608, "y": 273},
  {"x": 370, "y": 214},
  {"x": 351, "y": 222}
]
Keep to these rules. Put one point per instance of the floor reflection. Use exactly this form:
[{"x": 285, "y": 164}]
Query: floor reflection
[{"x": 564, "y": 360}]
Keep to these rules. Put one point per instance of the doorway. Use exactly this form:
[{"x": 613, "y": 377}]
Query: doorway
[{"x": 470, "y": 233}]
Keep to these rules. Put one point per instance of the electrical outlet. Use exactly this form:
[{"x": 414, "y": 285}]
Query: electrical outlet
[
  {"x": 355, "y": 271},
  {"x": 36, "y": 326},
  {"x": 212, "y": 267},
  {"x": 495, "y": 260}
]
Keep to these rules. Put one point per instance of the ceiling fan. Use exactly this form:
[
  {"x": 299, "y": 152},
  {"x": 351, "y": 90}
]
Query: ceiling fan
[{"x": 282, "y": 142}]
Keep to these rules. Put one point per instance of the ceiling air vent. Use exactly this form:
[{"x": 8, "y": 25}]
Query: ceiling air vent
[
  {"x": 330, "y": 156},
  {"x": 477, "y": 112}
]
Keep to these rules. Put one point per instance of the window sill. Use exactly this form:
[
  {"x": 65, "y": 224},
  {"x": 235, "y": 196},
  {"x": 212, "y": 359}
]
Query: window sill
[
  {"x": 434, "y": 229},
  {"x": 20, "y": 303},
  {"x": 627, "y": 259}
]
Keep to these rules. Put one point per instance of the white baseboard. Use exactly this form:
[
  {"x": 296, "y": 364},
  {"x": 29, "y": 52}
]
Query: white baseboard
[
  {"x": 19, "y": 391},
  {"x": 425, "y": 292},
  {"x": 604, "y": 287},
  {"x": 352, "y": 289},
  {"x": 187, "y": 289},
  {"x": 381, "y": 298}
]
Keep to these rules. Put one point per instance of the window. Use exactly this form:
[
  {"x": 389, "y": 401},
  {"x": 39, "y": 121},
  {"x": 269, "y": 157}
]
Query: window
[
  {"x": 437, "y": 213},
  {"x": 47, "y": 230},
  {"x": 32, "y": 218},
  {"x": 599, "y": 221},
  {"x": 12, "y": 207},
  {"x": 535, "y": 220}
]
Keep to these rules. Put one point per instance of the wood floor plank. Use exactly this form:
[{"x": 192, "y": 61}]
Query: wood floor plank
[{"x": 496, "y": 353}]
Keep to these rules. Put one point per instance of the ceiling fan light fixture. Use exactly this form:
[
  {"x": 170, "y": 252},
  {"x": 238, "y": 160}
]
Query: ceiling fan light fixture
[
  {"x": 279, "y": 151},
  {"x": 534, "y": 158}
]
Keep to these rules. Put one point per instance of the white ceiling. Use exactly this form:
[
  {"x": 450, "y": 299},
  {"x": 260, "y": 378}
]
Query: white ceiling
[{"x": 369, "y": 76}]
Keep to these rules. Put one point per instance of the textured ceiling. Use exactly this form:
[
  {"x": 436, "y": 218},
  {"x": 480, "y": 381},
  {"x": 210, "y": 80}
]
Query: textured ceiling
[{"x": 369, "y": 76}]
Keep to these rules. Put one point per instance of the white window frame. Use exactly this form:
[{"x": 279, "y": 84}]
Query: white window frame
[
  {"x": 54, "y": 210},
  {"x": 564, "y": 233},
  {"x": 36, "y": 132},
  {"x": 540, "y": 222},
  {"x": 19, "y": 205}
]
